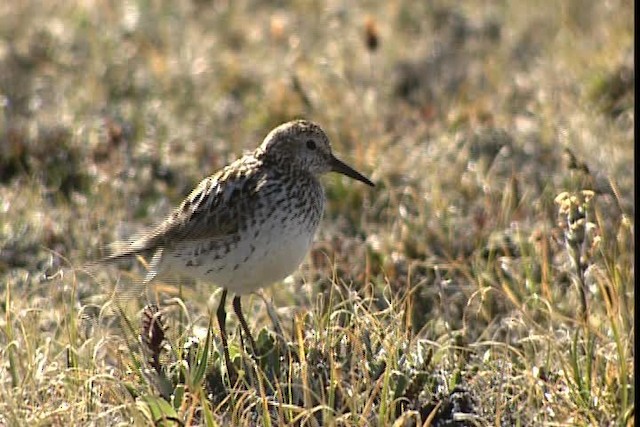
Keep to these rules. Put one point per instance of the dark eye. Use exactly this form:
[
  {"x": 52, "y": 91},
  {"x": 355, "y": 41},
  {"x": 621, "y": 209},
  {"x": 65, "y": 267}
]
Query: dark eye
[{"x": 311, "y": 144}]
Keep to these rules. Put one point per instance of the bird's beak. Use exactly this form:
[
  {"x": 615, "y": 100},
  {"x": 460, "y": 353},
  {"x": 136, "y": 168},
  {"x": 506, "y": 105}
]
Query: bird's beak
[{"x": 344, "y": 169}]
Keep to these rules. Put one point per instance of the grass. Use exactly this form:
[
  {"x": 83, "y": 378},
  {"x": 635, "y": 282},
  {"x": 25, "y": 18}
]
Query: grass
[{"x": 486, "y": 280}]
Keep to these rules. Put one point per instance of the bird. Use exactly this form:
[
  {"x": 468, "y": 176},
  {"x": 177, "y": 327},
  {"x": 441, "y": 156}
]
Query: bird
[{"x": 250, "y": 224}]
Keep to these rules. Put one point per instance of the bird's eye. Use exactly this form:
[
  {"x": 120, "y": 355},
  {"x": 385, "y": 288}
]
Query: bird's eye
[{"x": 311, "y": 144}]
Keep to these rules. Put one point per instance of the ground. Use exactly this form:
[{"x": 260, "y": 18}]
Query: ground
[{"x": 487, "y": 279}]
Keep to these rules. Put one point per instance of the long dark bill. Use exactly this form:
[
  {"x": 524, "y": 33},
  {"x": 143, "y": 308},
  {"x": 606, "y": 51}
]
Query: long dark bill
[{"x": 344, "y": 169}]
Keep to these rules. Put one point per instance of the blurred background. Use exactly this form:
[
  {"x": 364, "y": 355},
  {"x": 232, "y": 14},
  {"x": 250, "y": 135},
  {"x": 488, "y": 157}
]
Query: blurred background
[{"x": 470, "y": 117}]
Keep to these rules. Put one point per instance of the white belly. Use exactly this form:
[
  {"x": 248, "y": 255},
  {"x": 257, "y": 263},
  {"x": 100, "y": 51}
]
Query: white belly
[
  {"x": 253, "y": 262},
  {"x": 278, "y": 257}
]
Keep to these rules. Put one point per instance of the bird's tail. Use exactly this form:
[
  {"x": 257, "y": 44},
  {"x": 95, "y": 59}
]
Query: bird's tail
[{"x": 121, "y": 250}]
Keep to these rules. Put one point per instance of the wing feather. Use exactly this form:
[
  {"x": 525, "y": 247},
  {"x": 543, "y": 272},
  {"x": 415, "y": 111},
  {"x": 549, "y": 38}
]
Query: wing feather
[{"x": 211, "y": 211}]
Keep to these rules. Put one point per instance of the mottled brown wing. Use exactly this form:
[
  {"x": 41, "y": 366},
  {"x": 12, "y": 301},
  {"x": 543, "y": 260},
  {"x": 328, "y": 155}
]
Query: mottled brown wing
[{"x": 211, "y": 211}]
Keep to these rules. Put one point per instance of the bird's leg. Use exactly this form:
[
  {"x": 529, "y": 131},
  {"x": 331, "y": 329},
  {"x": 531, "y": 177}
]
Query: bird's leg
[
  {"x": 222, "y": 318},
  {"x": 238, "y": 309}
]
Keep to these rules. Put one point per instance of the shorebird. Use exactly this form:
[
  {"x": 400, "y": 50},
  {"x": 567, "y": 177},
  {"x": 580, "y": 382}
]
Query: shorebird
[{"x": 250, "y": 224}]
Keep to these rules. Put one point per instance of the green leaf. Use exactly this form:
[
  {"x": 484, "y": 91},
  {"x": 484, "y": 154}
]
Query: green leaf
[
  {"x": 201, "y": 361},
  {"x": 178, "y": 396},
  {"x": 158, "y": 410},
  {"x": 400, "y": 380}
]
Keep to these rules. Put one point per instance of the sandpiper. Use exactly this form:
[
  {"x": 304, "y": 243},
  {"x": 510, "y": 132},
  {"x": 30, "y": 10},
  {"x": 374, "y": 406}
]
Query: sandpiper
[{"x": 250, "y": 224}]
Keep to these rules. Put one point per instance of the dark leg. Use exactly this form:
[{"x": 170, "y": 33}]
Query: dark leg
[
  {"x": 245, "y": 328},
  {"x": 222, "y": 318}
]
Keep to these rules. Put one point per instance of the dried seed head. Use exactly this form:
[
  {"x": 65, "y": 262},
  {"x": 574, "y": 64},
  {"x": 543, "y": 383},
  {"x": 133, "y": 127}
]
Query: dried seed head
[
  {"x": 572, "y": 162},
  {"x": 277, "y": 28},
  {"x": 152, "y": 332},
  {"x": 372, "y": 39}
]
